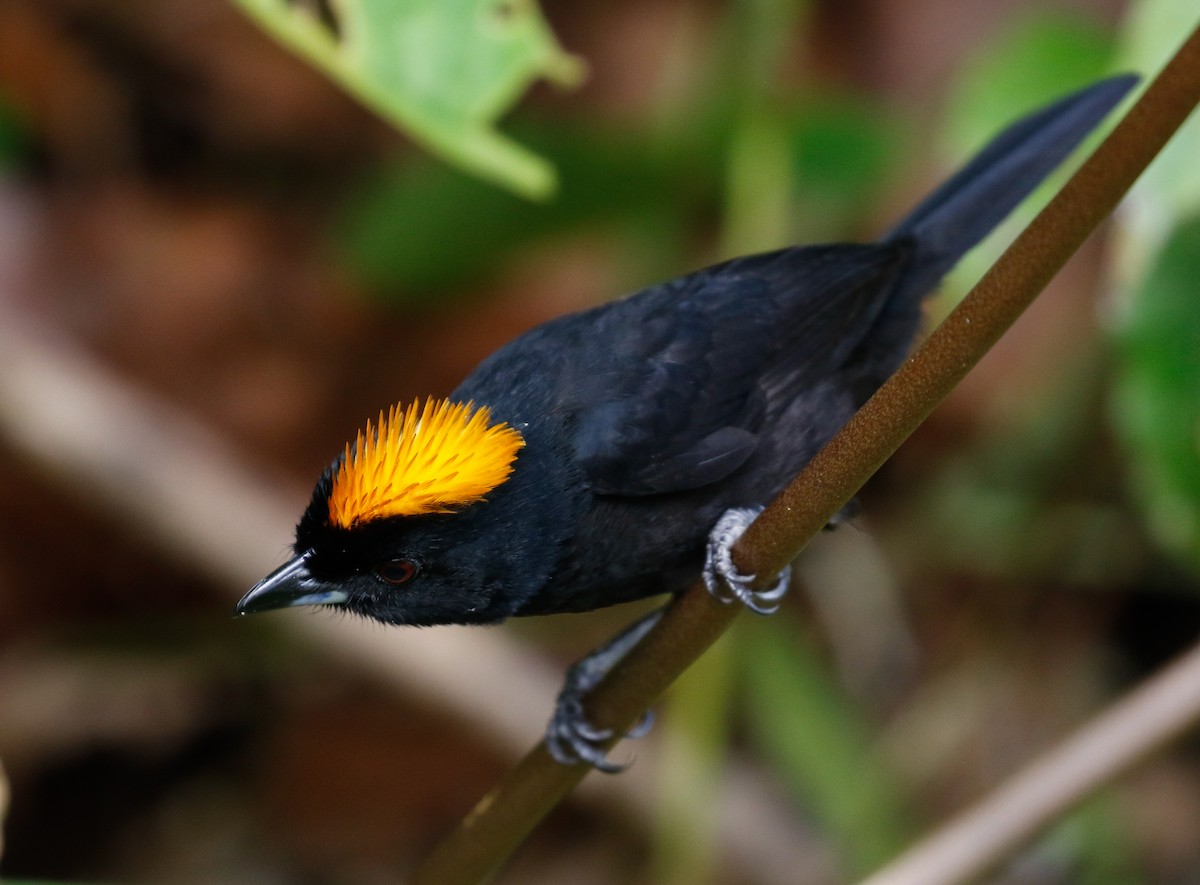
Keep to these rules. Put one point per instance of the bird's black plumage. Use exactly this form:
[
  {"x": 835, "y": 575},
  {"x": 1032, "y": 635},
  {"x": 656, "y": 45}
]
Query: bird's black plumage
[{"x": 646, "y": 419}]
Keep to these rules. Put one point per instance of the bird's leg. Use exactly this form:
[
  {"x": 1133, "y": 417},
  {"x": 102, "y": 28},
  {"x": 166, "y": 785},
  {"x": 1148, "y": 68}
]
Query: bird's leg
[
  {"x": 570, "y": 738},
  {"x": 721, "y": 576}
]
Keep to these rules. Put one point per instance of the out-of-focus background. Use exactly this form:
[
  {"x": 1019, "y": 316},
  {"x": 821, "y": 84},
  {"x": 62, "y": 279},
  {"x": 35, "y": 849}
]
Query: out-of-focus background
[{"x": 214, "y": 266}]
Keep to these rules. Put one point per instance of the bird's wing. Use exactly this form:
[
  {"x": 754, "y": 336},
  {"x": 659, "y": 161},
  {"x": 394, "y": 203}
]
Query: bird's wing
[{"x": 673, "y": 385}]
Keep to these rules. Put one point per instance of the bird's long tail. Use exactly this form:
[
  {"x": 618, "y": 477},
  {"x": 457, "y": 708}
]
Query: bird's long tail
[
  {"x": 965, "y": 208},
  {"x": 969, "y": 205}
]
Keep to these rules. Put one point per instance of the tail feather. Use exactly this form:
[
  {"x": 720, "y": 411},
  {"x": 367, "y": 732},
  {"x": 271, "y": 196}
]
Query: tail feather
[
  {"x": 970, "y": 204},
  {"x": 979, "y": 196}
]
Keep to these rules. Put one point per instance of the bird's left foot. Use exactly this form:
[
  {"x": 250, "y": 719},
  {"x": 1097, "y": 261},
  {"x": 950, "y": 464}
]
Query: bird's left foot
[
  {"x": 721, "y": 576},
  {"x": 570, "y": 737}
]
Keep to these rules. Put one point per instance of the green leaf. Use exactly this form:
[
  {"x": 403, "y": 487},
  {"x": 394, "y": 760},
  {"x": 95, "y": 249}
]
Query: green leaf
[
  {"x": 1170, "y": 189},
  {"x": 820, "y": 745},
  {"x": 1157, "y": 394},
  {"x": 444, "y": 71}
]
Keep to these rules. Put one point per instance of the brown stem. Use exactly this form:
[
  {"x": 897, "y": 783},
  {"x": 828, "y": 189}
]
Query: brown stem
[{"x": 505, "y": 816}]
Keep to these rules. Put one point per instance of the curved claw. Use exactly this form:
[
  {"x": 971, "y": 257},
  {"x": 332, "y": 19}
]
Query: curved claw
[
  {"x": 571, "y": 739},
  {"x": 642, "y": 727},
  {"x": 721, "y": 577}
]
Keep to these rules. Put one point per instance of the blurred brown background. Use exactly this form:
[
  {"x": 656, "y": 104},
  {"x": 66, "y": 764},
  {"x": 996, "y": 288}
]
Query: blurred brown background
[{"x": 216, "y": 230}]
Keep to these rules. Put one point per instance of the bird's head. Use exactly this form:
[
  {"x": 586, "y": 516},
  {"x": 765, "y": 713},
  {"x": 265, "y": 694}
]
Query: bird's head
[{"x": 399, "y": 528}]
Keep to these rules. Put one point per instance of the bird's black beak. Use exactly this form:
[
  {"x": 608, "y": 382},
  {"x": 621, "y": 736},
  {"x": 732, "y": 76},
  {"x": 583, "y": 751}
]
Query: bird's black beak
[{"x": 290, "y": 584}]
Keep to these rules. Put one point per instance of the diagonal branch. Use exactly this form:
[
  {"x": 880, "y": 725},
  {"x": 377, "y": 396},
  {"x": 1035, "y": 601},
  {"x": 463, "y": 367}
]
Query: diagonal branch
[{"x": 503, "y": 818}]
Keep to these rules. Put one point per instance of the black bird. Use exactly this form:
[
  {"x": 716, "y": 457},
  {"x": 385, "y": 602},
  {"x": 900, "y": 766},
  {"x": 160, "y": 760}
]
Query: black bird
[{"x": 587, "y": 462}]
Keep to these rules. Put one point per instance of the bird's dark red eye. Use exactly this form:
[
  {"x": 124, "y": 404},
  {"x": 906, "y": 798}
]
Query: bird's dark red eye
[{"x": 397, "y": 571}]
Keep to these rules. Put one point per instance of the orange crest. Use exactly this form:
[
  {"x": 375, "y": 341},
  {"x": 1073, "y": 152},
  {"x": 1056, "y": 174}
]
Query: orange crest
[{"x": 419, "y": 461}]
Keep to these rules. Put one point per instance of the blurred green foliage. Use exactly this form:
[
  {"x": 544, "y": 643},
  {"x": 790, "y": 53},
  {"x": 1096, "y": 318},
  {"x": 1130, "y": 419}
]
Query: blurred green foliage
[
  {"x": 843, "y": 152},
  {"x": 698, "y": 712},
  {"x": 1169, "y": 191},
  {"x": 14, "y": 140},
  {"x": 1157, "y": 392},
  {"x": 1092, "y": 846},
  {"x": 820, "y": 743},
  {"x": 1034, "y": 59},
  {"x": 416, "y": 232},
  {"x": 444, "y": 71}
]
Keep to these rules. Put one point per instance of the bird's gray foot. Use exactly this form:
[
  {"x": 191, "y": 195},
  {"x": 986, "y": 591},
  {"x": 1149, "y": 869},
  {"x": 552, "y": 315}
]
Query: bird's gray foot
[
  {"x": 721, "y": 576},
  {"x": 570, "y": 738}
]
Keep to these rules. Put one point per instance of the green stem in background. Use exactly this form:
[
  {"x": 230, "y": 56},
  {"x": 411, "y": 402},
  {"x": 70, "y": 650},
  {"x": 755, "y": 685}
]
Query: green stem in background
[
  {"x": 818, "y": 747},
  {"x": 694, "y": 745},
  {"x": 695, "y": 620},
  {"x": 758, "y": 204},
  {"x": 758, "y": 187}
]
